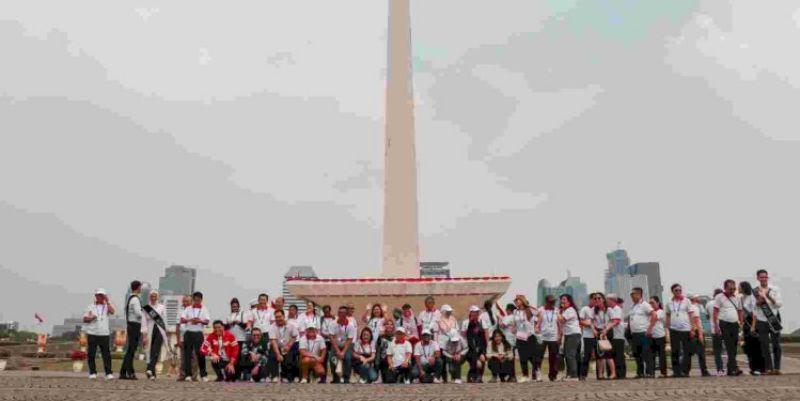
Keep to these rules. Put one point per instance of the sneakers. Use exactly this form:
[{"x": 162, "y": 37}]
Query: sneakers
[
  {"x": 362, "y": 381},
  {"x": 304, "y": 381},
  {"x": 204, "y": 380},
  {"x": 720, "y": 373},
  {"x": 458, "y": 381},
  {"x": 523, "y": 379},
  {"x": 149, "y": 374},
  {"x": 188, "y": 379},
  {"x": 437, "y": 380},
  {"x": 92, "y": 376},
  {"x": 538, "y": 377},
  {"x": 408, "y": 381},
  {"x": 109, "y": 377}
]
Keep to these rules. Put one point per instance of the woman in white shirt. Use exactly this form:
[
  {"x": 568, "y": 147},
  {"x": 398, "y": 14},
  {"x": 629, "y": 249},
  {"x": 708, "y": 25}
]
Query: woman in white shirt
[
  {"x": 605, "y": 358},
  {"x": 572, "y": 336},
  {"x": 374, "y": 317},
  {"x": 752, "y": 347},
  {"x": 550, "y": 334},
  {"x": 447, "y": 323},
  {"x": 364, "y": 356},
  {"x": 523, "y": 317},
  {"x": 659, "y": 336},
  {"x": 154, "y": 336}
]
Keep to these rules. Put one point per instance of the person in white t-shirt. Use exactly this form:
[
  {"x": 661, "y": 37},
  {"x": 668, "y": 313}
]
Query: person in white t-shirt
[
  {"x": 550, "y": 333},
  {"x": 716, "y": 339},
  {"x": 571, "y": 329},
  {"x": 500, "y": 358},
  {"x": 615, "y": 331},
  {"x": 642, "y": 321},
  {"x": 95, "y": 324},
  {"x": 455, "y": 354},
  {"x": 679, "y": 321},
  {"x": 312, "y": 353},
  {"x": 428, "y": 358},
  {"x": 373, "y": 317},
  {"x": 523, "y": 326},
  {"x": 342, "y": 340},
  {"x": 658, "y": 345},
  {"x": 728, "y": 319},
  {"x": 429, "y": 317},
  {"x": 283, "y": 336},
  {"x": 399, "y": 357},
  {"x": 364, "y": 355},
  {"x": 194, "y": 319},
  {"x": 263, "y": 315},
  {"x": 768, "y": 297},
  {"x": 307, "y": 318},
  {"x": 586, "y": 320},
  {"x": 447, "y": 323}
]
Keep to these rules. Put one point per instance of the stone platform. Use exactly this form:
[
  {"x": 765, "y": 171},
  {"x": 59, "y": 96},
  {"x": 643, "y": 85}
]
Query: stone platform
[{"x": 29, "y": 386}]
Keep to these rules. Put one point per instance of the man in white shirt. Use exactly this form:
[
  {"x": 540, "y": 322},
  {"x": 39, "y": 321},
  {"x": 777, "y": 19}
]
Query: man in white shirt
[
  {"x": 154, "y": 335},
  {"x": 282, "y": 337},
  {"x": 586, "y": 321},
  {"x": 769, "y": 334},
  {"x": 728, "y": 318},
  {"x": 133, "y": 316},
  {"x": 342, "y": 339},
  {"x": 615, "y": 331},
  {"x": 399, "y": 356},
  {"x": 95, "y": 324},
  {"x": 428, "y": 358},
  {"x": 263, "y": 315},
  {"x": 642, "y": 320},
  {"x": 193, "y": 320},
  {"x": 312, "y": 353},
  {"x": 430, "y": 317},
  {"x": 455, "y": 354},
  {"x": 679, "y": 322}
]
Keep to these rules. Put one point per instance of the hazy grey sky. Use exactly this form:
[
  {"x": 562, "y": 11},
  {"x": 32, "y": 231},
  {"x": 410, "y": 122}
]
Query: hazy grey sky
[{"x": 246, "y": 138}]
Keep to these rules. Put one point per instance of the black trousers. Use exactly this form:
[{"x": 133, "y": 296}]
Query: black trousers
[
  {"x": 645, "y": 364},
  {"x": 104, "y": 343},
  {"x": 770, "y": 346},
  {"x": 219, "y": 369},
  {"x": 134, "y": 332},
  {"x": 502, "y": 369},
  {"x": 681, "y": 354},
  {"x": 730, "y": 337},
  {"x": 156, "y": 341},
  {"x": 618, "y": 349},
  {"x": 192, "y": 342},
  {"x": 658, "y": 347},
  {"x": 589, "y": 350},
  {"x": 527, "y": 354},
  {"x": 697, "y": 347},
  {"x": 289, "y": 368}
]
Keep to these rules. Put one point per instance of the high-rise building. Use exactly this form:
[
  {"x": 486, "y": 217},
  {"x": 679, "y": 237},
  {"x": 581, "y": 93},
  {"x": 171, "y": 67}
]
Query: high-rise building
[
  {"x": 434, "y": 270},
  {"x": 653, "y": 272},
  {"x": 572, "y": 286},
  {"x": 625, "y": 283},
  {"x": 177, "y": 280},
  {"x": 618, "y": 262},
  {"x": 295, "y": 272}
]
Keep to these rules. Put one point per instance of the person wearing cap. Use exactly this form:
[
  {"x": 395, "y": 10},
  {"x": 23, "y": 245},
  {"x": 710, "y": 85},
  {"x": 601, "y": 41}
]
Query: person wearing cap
[
  {"x": 477, "y": 339},
  {"x": 364, "y": 354},
  {"x": 312, "y": 354},
  {"x": 342, "y": 340},
  {"x": 428, "y": 359},
  {"x": 455, "y": 354},
  {"x": 446, "y": 323},
  {"x": 95, "y": 324},
  {"x": 154, "y": 337},
  {"x": 399, "y": 357},
  {"x": 615, "y": 331},
  {"x": 430, "y": 317},
  {"x": 679, "y": 321}
]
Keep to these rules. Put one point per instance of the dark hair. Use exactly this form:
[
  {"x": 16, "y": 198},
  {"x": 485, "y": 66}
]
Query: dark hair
[
  {"x": 372, "y": 311},
  {"x": 658, "y": 301},
  {"x": 728, "y": 281},
  {"x": 197, "y": 294},
  {"x": 511, "y": 307},
  {"x": 255, "y": 329},
  {"x": 506, "y": 345},
  {"x": 637, "y": 289},
  {"x": 718, "y": 291},
  {"x": 263, "y": 295},
  {"x": 277, "y": 311},
  {"x": 328, "y": 307},
  {"x": 673, "y": 286},
  {"x": 487, "y": 305},
  {"x": 293, "y": 306},
  {"x": 406, "y": 306},
  {"x": 429, "y": 298},
  {"x": 550, "y": 299},
  {"x": 368, "y": 330},
  {"x": 135, "y": 285},
  {"x": 605, "y": 302},
  {"x": 571, "y": 301},
  {"x": 761, "y": 271},
  {"x": 343, "y": 307},
  {"x": 747, "y": 289},
  {"x": 218, "y": 322},
  {"x": 235, "y": 301}
]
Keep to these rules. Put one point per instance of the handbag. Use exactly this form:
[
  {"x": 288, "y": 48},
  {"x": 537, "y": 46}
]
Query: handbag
[{"x": 604, "y": 345}]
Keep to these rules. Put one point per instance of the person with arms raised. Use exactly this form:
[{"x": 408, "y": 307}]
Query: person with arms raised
[{"x": 98, "y": 332}]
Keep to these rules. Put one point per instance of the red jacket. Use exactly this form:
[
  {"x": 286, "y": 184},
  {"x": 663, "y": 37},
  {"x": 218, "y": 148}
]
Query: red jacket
[{"x": 212, "y": 344}]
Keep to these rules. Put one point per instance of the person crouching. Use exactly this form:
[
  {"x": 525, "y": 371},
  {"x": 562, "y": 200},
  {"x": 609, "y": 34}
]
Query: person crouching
[{"x": 223, "y": 349}]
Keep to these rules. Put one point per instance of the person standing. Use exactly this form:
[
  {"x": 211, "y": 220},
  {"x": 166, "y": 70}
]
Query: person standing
[
  {"x": 133, "y": 317},
  {"x": 98, "y": 332},
  {"x": 728, "y": 318},
  {"x": 697, "y": 343},
  {"x": 154, "y": 335},
  {"x": 605, "y": 357},
  {"x": 679, "y": 321},
  {"x": 429, "y": 318},
  {"x": 768, "y": 298},
  {"x": 716, "y": 339},
  {"x": 523, "y": 325},
  {"x": 236, "y": 323},
  {"x": 659, "y": 338},
  {"x": 327, "y": 328},
  {"x": 586, "y": 320},
  {"x": 571, "y": 329},
  {"x": 373, "y": 317},
  {"x": 307, "y": 318},
  {"x": 180, "y": 330},
  {"x": 193, "y": 320},
  {"x": 751, "y": 347},
  {"x": 263, "y": 316},
  {"x": 642, "y": 321},
  {"x": 410, "y": 323},
  {"x": 615, "y": 331},
  {"x": 385, "y": 340},
  {"x": 551, "y": 334}
]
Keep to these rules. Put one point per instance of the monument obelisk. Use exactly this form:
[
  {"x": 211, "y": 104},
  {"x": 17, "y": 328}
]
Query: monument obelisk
[{"x": 400, "y": 238}]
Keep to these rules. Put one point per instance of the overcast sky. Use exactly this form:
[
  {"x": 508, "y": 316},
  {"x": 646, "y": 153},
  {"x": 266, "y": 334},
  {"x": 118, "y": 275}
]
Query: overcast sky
[{"x": 246, "y": 138}]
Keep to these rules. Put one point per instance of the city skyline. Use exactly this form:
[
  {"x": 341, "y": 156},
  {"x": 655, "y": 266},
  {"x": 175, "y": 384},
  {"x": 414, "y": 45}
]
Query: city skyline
[{"x": 253, "y": 146}]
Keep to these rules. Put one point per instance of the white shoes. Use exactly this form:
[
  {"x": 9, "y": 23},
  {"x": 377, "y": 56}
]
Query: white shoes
[
  {"x": 92, "y": 377},
  {"x": 362, "y": 381},
  {"x": 109, "y": 377},
  {"x": 188, "y": 379},
  {"x": 276, "y": 380},
  {"x": 437, "y": 380},
  {"x": 523, "y": 379},
  {"x": 204, "y": 380},
  {"x": 408, "y": 381},
  {"x": 538, "y": 377},
  {"x": 304, "y": 381},
  {"x": 458, "y": 381}
]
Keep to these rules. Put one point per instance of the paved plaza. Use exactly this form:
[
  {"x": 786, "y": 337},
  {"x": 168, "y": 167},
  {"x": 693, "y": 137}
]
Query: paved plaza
[{"x": 66, "y": 387}]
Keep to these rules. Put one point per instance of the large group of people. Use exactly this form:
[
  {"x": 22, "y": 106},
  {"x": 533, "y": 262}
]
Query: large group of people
[{"x": 270, "y": 343}]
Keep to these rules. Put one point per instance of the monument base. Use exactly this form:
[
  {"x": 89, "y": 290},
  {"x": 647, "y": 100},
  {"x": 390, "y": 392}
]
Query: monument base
[{"x": 460, "y": 292}]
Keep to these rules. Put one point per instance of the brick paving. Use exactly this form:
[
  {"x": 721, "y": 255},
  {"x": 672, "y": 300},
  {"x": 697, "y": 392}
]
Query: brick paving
[{"x": 24, "y": 386}]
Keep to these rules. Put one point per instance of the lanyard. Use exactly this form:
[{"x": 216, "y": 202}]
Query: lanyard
[
  {"x": 551, "y": 316},
  {"x": 676, "y": 310},
  {"x": 196, "y": 312},
  {"x": 426, "y": 350},
  {"x": 100, "y": 311},
  {"x": 261, "y": 316}
]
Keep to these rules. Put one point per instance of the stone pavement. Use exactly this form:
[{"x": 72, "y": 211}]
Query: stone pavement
[{"x": 66, "y": 387}]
